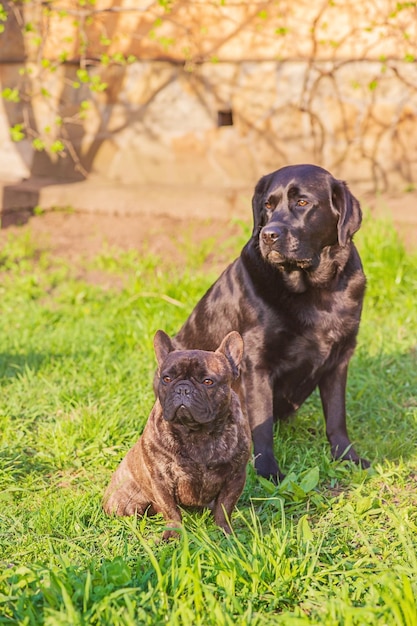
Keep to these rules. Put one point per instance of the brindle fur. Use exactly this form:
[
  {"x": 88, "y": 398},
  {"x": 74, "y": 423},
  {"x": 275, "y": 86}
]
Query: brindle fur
[{"x": 196, "y": 443}]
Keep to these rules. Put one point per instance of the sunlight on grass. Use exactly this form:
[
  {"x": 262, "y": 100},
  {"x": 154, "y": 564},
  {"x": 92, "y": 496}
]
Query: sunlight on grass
[{"x": 332, "y": 544}]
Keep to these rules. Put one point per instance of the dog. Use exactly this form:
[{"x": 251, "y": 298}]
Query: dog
[
  {"x": 295, "y": 295},
  {"x": 196, "y": 443}
]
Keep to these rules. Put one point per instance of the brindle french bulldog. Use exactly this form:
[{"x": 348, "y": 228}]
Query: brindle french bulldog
[{"x": 196, "y": 443}]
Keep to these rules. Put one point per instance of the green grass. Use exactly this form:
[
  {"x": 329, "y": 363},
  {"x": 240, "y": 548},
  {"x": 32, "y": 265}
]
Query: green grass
[{"x": 331, "y": 545}]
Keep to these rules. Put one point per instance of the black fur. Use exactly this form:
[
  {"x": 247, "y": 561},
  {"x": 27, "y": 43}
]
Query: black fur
[{"x": 295, "y": 295}]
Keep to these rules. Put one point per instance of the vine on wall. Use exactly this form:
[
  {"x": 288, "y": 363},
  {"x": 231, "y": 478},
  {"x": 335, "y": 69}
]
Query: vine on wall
[{"x": 70, "y": 56}]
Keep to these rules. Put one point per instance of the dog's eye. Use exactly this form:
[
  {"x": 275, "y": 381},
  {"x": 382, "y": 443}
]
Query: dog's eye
[
  {"x": 208, "y": 382},
  {"x": 166, "y": 379},
  {"x": 268, "y": 205},
  {"x": 302, "y": 202}
]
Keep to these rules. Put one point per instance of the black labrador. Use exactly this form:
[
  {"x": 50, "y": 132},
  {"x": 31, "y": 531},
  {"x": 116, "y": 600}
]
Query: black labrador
[{"x": 295, "y": 295}]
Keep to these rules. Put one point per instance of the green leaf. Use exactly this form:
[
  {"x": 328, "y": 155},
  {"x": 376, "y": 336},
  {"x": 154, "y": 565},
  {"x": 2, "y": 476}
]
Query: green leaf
[
  {"x": 297, "y": 492},
  {"x": 83, "y": 75},
  {"x": 286, "y": 483},
  {"x": 310, "y": 479},
  {"x": 97, "y": 84},
  {"x": 117, "y": 572},
  {"x": 11, "y": 95},
  {"x": 166, "y": 4},
  {"x": 57, "y": 146},
  {"x": 118, "y": 57},
  {"x": 16, "y": 132},
  {"x": 304, "y": 532},
  {"x": 268, "y": 485},
  {"x": 38, "y": 144},
  {"x": 105, "y": 41}
]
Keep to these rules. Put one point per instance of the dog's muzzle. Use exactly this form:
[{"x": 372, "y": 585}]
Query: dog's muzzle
[
  {"x": 183, "y": 392},
  {"x": 270, "y": 234},
  {"x": 272, "y": 243},
  {"x": 183, "y": 406}
]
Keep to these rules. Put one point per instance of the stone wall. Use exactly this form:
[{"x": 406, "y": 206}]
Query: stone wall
[{"x": 333, "y": 83}]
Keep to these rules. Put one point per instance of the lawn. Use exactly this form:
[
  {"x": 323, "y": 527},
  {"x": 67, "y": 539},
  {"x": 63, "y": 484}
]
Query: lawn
[{"x": 333, "y": 544}]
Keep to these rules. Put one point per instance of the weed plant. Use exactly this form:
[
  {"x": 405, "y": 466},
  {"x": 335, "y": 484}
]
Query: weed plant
[{"x": 332, "y": 544}]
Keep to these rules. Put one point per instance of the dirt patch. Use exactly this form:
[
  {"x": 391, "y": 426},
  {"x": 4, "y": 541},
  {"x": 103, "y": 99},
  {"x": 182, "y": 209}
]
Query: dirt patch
[{"x": 80, "y": 236}]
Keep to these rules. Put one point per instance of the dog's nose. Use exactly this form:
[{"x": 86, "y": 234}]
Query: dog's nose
[
  {"x": 270, "y": 234},
  {"x": 183, "y": 389}
]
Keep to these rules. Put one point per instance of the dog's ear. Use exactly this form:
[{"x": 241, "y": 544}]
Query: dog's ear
[
  {"x": 163, "y": 346},
  {"x": 348, "y": 211},
  {"x": 232, "y": 348},
  {"x": 258, "y": 208}
]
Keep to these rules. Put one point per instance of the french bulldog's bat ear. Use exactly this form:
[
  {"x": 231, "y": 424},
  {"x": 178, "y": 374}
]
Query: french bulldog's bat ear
[
  {"x": 232, "y": 348},
  {"x": 348, "y": 211},
  {"x": 163, "y": 346}
]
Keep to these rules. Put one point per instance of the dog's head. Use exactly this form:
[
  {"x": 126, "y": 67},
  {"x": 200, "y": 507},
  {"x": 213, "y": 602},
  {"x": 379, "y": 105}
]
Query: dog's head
[
  {"x": 195, "y": 386},
  {"x": 298, "y": 211}
]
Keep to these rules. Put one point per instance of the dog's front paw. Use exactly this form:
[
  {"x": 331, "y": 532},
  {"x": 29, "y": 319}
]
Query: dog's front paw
[
  {"x": 357, "y": 460},
  {"x": 226, "y": 528},
  {"x": 267, "y": 467},
  {"x": 349, "y": 454},
  {"x": 172, "y": 532}
]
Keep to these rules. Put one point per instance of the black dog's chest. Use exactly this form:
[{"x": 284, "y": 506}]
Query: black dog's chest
[
  {"x": 296, "y": 378},
  {"x": 304, "y": 344},
  {"x": 308, "y": 332}
]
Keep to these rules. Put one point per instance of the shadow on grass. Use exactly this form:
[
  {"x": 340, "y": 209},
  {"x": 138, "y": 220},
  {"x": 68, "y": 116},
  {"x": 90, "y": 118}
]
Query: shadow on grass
[
  {"x": 20, "y": 461},
  {"x": 15, "y": 365}
]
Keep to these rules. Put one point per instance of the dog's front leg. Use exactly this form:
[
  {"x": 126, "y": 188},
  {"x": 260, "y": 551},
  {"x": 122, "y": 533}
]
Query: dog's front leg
[
  {"x": 164, "y": 502},
  {"x": 227, "y": 499},
  {"x": 172, "y": 516},
  {"x": 259, "y": 407},
  {"x": 332, "y": 388}
]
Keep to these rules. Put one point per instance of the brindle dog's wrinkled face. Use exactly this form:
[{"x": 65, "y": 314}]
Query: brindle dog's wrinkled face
[
  {"x": 300, "y": 210},
  {"x": 194, "y": 385},
  {"x": 193, "y": 390}
]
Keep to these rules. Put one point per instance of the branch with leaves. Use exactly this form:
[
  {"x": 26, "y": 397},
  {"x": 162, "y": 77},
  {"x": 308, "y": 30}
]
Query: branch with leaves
[{"x": 73, "y": 55}]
